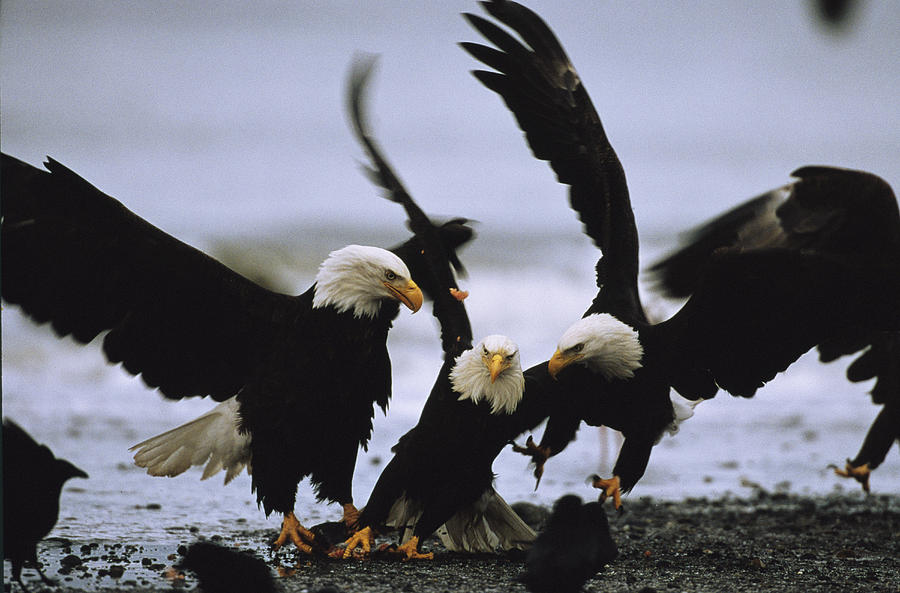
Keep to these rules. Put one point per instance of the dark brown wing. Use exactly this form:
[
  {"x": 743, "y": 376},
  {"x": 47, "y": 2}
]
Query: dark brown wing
[
  {"x": 77, "y": 258},
  {"x": 432, "y": 252},
  {"x": 826, "y": 210},
  {"x": 880, "y": 361},
  {"x": 754, "y": 313},
  {"x": 541, "y": 87}
]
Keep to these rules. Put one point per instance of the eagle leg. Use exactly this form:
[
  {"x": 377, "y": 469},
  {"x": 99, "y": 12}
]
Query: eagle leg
[
  {"x": 44, "y": 578},
  {"x": 859, "y": 473},
  {"x": 610, "y": 487},
  {"x": 539, "y": 456},
  {"x": 363, "y": 537},
  {"x": 17, "y": 574},
  {"x": 21, "y": 583},
  {"x": 291, "y": 529},
  {"x": 411, "y": 550},
  {"x": 351, "y": 517}
]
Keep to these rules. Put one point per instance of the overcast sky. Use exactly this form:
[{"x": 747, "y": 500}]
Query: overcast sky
[{"x": 217, "y": 117}]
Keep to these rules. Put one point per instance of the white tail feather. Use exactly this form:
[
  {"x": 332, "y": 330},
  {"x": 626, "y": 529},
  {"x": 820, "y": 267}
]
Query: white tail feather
[
  {"x": 213, "y": 439},
  {"x": 487, "y": 526},
  {"x": 683, "y": 409}
]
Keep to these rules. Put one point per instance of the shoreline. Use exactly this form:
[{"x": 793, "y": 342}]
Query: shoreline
[{"x": 765, "y": 542}]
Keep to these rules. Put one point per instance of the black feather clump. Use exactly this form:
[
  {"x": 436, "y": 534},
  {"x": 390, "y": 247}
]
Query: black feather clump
[
  {"x": 574, "y": 545},
  {"x": 227, "y": 570},
  {"x": 33, "y": 481}
]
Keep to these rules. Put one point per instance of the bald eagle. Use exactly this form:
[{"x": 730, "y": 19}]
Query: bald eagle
[
  {"x": 752, "y": 314},
  {"x": 303, "y": 369},
  {"x": 440, "y": 473},
  {"x": 439, "y": 466},
  {"x": 852, "y": 213},
  {"x": 212, "y": 439}
]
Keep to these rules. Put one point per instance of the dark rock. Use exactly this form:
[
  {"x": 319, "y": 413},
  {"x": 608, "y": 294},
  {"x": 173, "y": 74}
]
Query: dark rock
[
  {"x": 70, "y": 561},
  {"x": 534, "y": 516},
  {"x": 330, "y": 533},
  {"x": 116, "y": 571}
]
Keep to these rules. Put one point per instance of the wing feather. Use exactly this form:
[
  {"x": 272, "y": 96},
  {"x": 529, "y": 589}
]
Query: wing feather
[
  {"x": 432, "y": 252},
  {"x": 77, "y": 258},
  {"x": 754, "y": 313},
  {"x": 541, "y": 87},
  {"x": 826, "y": 210}
]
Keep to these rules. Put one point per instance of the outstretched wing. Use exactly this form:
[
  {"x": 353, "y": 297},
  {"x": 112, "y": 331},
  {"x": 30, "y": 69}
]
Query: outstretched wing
[
  {"x": 754, "y": 313},
  {"x": 541, "y": 87},
  {"x": 829, "y": 212},
  {"x": 826, "y": 210},
  {"x": 431, "y": 253},
  {"x": 77, "y": 258}
]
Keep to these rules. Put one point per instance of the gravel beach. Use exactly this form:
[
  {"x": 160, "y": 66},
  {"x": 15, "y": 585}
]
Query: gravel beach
[{"x": 765, "y": 542}]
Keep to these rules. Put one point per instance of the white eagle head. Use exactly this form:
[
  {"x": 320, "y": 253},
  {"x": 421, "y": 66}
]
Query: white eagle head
[
  {"x": 603, "y": 344},
  {"x": 492, "y": 371},
  {"x": 358, "y": 278}
]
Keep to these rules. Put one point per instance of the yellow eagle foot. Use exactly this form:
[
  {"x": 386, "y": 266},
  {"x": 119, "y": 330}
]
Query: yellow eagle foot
[
  {"x": 611, "y": 487},
  {"x": 411, "y": 550},
  {"x": 364, "y": 537},
  {"x": 859, "y": 473},
  {"x": 292, "y": 530}
]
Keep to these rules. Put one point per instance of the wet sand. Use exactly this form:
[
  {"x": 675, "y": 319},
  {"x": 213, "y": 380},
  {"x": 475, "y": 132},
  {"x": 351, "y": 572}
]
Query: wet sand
[{"x": 766, "y": 542}]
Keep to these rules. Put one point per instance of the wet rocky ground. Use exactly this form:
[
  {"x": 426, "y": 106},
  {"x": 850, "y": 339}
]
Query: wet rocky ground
[{"x": 765, "y": 542}]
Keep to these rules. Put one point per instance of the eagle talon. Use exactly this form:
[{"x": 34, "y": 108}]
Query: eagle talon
[
  {"x": 611, "y": 487},
  {"x": 459, "y": 295},
  {"x": 291, "y": 529},
  {"x": 539, "y": 456},
  {"x": 859, "y": 473},
  {"x": 411, "y": 550},
  {"x": 363, "y": 537}
]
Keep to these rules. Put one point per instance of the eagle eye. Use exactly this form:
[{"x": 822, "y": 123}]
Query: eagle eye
[
  {"x": 390, "y": 275},
  {"x": 577, "y": 348}
]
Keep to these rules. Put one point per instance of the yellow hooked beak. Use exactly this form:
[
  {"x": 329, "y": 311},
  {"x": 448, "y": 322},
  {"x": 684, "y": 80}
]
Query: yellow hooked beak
[
  {"x": 410, "y": 295},
  {"x": 561, "y": 360},
  {"x": 495, "y": 366}
]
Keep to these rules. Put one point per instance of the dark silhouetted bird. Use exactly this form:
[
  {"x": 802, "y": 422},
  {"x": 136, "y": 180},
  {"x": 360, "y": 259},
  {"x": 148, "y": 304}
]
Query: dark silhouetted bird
[
  {"x": 227, "y": 570},
  {"x": 32, "y": 482},
  {"x": 574, "y": 545},
  {"x": 836, "y": 14}
]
